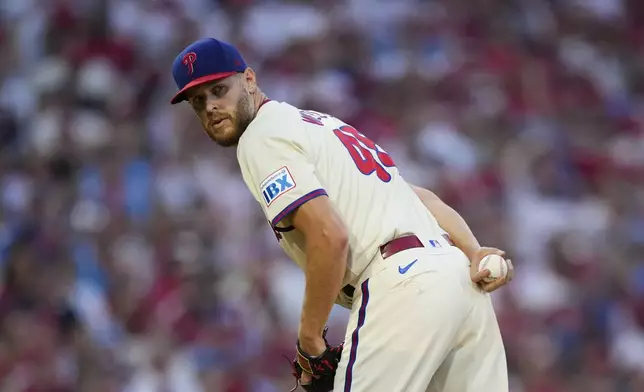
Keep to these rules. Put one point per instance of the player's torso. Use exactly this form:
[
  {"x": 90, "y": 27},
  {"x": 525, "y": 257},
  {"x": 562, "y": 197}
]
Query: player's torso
[{"x": 360, "y": 178}]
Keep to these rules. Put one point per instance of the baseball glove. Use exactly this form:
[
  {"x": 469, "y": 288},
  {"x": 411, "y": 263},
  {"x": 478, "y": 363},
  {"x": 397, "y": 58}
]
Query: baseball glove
[{"x": 322, "y": 367}]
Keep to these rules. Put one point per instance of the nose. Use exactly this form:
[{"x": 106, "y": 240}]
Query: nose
[{"x": 212, "y": 105}]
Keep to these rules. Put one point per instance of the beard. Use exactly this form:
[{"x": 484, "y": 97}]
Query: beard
[{"x": 240, "y": 122}]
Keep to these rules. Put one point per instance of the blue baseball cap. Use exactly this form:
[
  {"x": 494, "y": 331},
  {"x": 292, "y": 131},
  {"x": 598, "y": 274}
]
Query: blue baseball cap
[{"x": 204, "y": 61}]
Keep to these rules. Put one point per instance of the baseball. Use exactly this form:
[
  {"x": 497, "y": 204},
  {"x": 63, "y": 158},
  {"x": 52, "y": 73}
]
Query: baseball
[{"x": 497, "y": 266}]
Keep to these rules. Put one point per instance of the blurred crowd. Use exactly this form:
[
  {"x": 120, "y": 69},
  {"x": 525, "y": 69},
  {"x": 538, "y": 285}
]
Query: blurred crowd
[{"x": 134, "y": 259}]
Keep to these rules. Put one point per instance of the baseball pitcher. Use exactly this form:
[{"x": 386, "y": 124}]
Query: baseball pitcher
[{"x": 401, "y": 260}]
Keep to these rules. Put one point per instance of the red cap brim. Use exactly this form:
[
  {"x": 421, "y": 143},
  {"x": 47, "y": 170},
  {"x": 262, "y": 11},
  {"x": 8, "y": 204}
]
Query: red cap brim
[{"x": 204, "y": 79}]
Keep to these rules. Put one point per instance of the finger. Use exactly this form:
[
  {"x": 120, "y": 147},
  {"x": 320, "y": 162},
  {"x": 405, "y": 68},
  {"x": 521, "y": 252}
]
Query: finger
[
  {"x": 491, "y": 251},
  {"x": 496, "y": 284},
  {"x": 481, "y": 275},
  {"x": 510, "y": 274},
  {"x": 484, "y": 252},
  {"x": 306, "y": 378},
  {"x": 499, "y": 252},
  {"x": 493, "y": 286}
]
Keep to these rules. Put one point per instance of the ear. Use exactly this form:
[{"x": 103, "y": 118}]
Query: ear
[{"x": 250, "y": 80}]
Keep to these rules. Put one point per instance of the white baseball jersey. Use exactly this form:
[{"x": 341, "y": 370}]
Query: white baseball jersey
[
  {"x": 289, "y": 156},
  {"x": 417, "y": 322}
]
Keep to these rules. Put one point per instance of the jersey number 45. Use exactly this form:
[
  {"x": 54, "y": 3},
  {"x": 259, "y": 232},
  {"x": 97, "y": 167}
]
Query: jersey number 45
[{"x": 362, "y": 150}]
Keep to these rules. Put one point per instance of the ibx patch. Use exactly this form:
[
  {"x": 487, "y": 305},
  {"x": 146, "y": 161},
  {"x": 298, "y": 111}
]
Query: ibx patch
[{"x": 276, "y": 184}]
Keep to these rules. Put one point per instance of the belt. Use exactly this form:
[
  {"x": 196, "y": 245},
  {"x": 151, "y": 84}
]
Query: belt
[{"x": 394, "y": 246}]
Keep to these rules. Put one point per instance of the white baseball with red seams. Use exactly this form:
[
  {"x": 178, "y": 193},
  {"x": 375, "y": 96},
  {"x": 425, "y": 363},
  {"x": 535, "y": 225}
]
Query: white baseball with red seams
[{"x": 496, "y": 264}]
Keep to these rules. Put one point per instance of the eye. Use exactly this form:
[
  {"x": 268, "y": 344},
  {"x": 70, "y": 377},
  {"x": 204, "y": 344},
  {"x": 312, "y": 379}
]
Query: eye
[
  {"x": 197, "y": 101},
  {"x": 219, "y": 90}
]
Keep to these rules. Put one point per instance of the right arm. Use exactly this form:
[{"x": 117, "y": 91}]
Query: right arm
[{"x": 281, "y": 176}]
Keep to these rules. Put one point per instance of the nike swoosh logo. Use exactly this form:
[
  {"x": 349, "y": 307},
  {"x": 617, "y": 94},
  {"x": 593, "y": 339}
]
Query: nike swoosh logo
[{"x": 403, "y": 270}]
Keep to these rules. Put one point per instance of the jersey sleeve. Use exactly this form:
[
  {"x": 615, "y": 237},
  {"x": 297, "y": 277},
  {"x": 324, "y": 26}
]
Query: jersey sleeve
[{"x": 278, "y": 168}]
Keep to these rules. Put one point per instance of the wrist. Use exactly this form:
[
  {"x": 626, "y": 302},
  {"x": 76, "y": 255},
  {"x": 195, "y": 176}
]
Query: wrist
[
  {"x": 309, "y": 335},
  {"x": 471, "y": 251},
  {"x": 312, "y": 345},
  {"x": 310, "y": 329}
]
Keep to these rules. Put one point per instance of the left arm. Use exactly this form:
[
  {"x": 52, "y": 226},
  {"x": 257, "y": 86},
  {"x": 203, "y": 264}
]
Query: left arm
[
  {"x": 452, "y": 222},
  {"x": 326, "y": 254},
  {"x": 449, "y": 220}
]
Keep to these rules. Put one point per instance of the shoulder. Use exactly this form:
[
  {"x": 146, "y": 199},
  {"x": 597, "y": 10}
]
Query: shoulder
[
  {"x": 276, "y": 123},
  {"x": 274, "y": 118}
]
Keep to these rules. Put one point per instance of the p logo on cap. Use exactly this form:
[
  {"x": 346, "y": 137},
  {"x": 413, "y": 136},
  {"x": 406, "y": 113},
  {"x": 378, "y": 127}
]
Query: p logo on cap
[{"x": 189, "y": 60}]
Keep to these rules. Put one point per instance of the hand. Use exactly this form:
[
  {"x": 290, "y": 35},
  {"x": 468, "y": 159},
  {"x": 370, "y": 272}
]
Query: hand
[
  {"x": 315, "y": 363},
  {"x": 478, "y": 276},
  {"x": 313, "y": 346},
  {"x": 306, "y": 378}
]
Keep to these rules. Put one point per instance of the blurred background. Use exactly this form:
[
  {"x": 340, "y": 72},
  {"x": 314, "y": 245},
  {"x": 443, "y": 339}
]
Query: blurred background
[{"x": 134, "y": 259}]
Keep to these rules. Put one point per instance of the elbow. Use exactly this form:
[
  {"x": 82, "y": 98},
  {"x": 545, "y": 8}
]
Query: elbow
[
  {"x": 338, "y": 238},
  {"x": 334, "y": 238},
  {"x": 343, "y": 241}
]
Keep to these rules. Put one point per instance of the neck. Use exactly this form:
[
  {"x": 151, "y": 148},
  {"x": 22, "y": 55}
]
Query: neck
[{"x": 259, "y": 98}]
